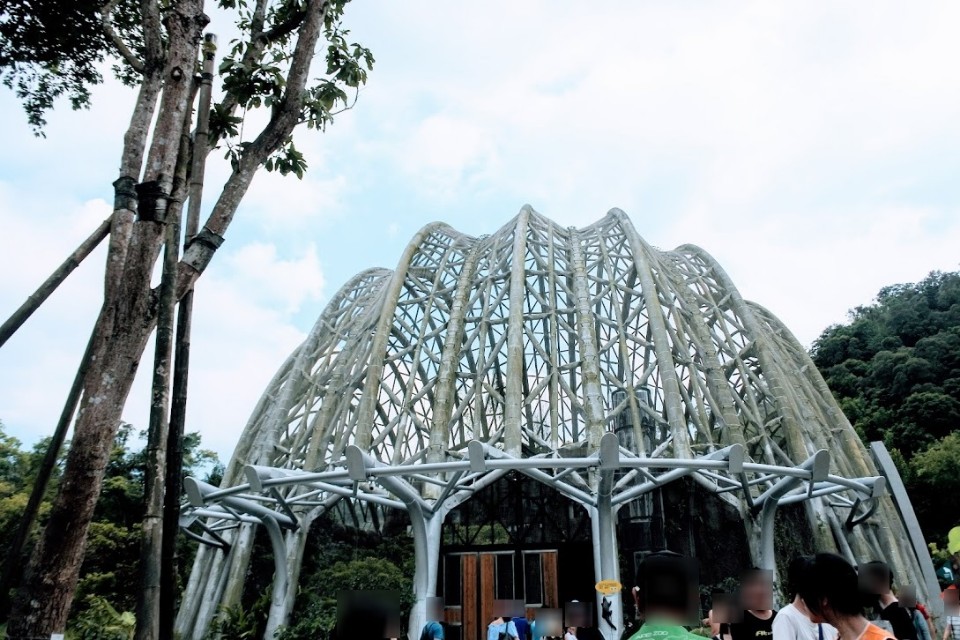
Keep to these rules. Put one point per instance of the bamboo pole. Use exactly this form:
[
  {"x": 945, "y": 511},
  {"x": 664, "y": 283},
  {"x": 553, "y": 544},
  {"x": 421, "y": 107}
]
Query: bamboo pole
[
  {"x": 56, "y": 278},
  {"x": 148, "y": 606},
  {"x": 178, "y": 412},
  {"x": 12, "y": 569},
  {"x": 169, "y": 196}
]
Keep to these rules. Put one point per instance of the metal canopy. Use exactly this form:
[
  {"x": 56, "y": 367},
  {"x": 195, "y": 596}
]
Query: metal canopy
[
  {"x": 585, "y": 359},
  {"x": 359, "y": 477}
]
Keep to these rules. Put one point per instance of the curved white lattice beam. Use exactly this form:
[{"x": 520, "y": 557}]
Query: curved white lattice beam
[{"x": 532, "y": 345}]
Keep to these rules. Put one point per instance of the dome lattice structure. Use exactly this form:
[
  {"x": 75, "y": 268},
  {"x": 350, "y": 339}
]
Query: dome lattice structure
[{"x": 585, "y": 359}]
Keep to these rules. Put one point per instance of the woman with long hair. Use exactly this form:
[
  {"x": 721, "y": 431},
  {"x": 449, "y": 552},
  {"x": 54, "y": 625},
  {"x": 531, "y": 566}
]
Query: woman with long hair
[{"x": 831, "y": 594}]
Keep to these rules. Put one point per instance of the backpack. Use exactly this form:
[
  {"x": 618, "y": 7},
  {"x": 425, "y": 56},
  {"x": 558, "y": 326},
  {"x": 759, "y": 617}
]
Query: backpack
[{"x": 523, "y": 628}]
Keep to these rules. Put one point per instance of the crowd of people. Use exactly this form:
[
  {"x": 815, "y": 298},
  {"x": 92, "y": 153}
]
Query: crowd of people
[{"x": 827, "y": 599}]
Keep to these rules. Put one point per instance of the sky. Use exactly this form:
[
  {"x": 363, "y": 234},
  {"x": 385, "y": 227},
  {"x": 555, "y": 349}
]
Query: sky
[{"x": 813, "y": 148}]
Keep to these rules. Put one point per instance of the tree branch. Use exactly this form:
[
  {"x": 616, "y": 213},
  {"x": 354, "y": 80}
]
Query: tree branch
[
  {"x": 285, "y": 118},
  {"x": 251, "y": 55},
  {"x": 259, "y": 40},
  {"x": 284, "y": 28},
  {"x": 152, "y": 39},
  {"x": 258, "y": 20},
  {"x": 117, "y": 41}
]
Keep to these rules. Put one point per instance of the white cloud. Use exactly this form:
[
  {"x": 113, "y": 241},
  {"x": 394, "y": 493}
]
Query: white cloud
[
  {"x": 274, "y": 280},
  {"x": 844, "y": 262},
  {"x": 800, "y": 144},
  {"x": 239, "y": 343},
  {"x": 283, "y": 203},
  {"x": 37, "y": 364},
  {"x": 447, "y": 154},
  {"x": 742, "y": 100}
]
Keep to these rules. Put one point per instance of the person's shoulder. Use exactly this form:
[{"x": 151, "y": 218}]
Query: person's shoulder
[
  {"x": 876, "y": 632},
  {"x": 649, "y": 631},
  {"x": 787, "y": 616}
]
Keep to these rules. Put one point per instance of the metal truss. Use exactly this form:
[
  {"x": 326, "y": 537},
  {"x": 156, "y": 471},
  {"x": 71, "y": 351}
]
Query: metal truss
[
  {"x": 361, "y": 477},
  {"x": 527, "y": 350}
]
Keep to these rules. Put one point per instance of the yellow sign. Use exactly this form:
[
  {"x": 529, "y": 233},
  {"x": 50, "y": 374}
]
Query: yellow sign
[{"x": 608, "y": 587}]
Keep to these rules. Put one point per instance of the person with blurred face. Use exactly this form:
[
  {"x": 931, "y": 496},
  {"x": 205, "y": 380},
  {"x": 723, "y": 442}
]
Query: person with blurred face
[
  {"x": 720, "y": 616},
  {"x": 631, "y": 622},
  {"x": 908, "y": 600},
  {"x": 756, "y": 592},
  {"x": 502, "y": 627},
  {"x": 793, "y": 621},
  {"x": 433, "y": 629},
  {"x": 951, "y": 613},
  {"x": 876, "y": 584},
  {"x": 667, "y": 597},
  {"x": 831, "y": 594}
]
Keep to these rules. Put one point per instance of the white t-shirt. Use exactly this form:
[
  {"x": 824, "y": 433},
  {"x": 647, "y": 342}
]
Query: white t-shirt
[
  {"x": 792, "y": 624},
  {"x": 953, "y": 624}
]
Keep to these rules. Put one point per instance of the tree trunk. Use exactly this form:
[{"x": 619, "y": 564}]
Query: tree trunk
[
  {"x": 178, "y": 410},
  {"x": 13, "y": 569},
  {"x": 148, "y": 619},
  {"x": 155, "y": 479},
  {"x": 43, "y": 603}
]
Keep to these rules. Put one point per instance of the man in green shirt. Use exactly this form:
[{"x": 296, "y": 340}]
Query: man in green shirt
[{"x": 667, "y": 597}]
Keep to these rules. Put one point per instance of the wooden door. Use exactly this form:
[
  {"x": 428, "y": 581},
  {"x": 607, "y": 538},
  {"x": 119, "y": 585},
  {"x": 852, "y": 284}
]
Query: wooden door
[{"x": 472, "y": 582}]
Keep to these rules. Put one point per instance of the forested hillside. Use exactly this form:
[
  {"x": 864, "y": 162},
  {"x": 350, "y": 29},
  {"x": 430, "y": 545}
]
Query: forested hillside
[{"x": 895, "y": 369}]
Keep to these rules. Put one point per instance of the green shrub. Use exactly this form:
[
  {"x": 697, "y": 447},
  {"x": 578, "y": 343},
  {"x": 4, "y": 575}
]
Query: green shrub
[
  {"x": 316, "y": 616},
  {"x": 101, "y": 621}
]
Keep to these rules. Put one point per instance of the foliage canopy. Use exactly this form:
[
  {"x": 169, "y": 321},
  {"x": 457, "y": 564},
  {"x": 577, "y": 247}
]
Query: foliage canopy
[
  {"x": 107, "y": 588},
  {"x": 895, "y": 370}
]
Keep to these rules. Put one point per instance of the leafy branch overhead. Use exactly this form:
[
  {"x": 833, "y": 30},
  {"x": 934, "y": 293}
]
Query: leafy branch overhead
[
  {"x": 254, "y": 77},
  {"x": 51, "y": 50}
]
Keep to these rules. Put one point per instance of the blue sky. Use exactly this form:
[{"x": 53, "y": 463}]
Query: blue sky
[{"x": 812, "y": 148}]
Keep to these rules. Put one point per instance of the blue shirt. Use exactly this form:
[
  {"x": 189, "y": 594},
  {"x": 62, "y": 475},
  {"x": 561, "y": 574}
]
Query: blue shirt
[
  {"x": 494, "y": 630},
  {"x": 432, "y": 630}
]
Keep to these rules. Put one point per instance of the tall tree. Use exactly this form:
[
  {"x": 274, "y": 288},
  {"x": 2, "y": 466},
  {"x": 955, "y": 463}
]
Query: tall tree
[{"x": 47, "y": 52}]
